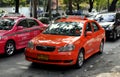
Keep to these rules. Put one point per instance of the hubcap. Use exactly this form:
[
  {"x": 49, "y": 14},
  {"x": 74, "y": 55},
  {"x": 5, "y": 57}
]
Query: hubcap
[
  {"x": 80, "y": 59},
  {"x": 9, "y": 48},
  {"x": 101, "y": 47}
]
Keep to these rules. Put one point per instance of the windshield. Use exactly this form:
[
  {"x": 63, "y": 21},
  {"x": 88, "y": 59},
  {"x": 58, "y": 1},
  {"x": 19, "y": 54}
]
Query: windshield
[
  {"x": 105, "y": 17},
  {"x": 65, "y": 28},
  {"x": 6, "y": 24}
]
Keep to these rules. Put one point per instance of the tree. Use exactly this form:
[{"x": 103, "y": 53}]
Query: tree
[
  {"x": 10, "y": 2},
  {"x": 100, "y": 5},
  {"x": 16, "y": 6},
  {"x": 91, "y": 5},
  {"x": 34, "y": 8},
  {"x": 70, "y": 6},
  {"x": 113, "y": 6}
]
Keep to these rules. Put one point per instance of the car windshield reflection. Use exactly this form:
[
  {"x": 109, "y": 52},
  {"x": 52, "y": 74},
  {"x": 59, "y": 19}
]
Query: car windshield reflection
[{"x": 65, "y": 28}]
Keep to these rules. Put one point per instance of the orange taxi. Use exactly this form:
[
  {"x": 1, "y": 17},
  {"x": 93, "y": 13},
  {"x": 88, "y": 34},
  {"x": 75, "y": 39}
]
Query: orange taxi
[{"x": 67, "y": 41}]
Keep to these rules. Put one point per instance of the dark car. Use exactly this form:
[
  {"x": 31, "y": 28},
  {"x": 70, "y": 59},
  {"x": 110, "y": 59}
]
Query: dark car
[{"x": 111, "y": 23}]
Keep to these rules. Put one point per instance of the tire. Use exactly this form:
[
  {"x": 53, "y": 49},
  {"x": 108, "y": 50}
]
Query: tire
[
  {"x": 118, "y": 35},
  {"x": 9, "y": 48},
  {"x": 114, "y": 36},
  {"x": 80, "y": 59},
  {"x": 101, "y": 47}
]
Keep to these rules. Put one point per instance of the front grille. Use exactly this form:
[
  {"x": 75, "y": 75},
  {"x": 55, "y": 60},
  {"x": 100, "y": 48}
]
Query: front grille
[
  {"x": 45, "y": 48},
  {"x": 53, "y": 61}
]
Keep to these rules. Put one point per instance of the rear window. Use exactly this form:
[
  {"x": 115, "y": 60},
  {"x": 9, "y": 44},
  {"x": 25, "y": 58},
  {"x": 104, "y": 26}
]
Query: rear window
[{"x": 6, "y": 24}]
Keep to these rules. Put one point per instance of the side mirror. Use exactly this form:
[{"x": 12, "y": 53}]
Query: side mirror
[
  {"x": 19, "y": 27},
  {"x": 88, "y": 33}
]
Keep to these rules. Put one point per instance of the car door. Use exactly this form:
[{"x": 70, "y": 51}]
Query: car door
[
  {"x": 22, "y": 33},
  {"x": 96, "y": 35},
  {"x": 34, "y": 28},
  {"x": 89, "y": 40}
]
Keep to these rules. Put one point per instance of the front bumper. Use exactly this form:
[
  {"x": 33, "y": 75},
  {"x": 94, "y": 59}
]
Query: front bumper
[{"x": 61, "y": 58}]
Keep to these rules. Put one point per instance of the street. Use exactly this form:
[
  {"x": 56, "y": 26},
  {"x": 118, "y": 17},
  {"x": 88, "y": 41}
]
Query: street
[{"x": 17, "y": 66}]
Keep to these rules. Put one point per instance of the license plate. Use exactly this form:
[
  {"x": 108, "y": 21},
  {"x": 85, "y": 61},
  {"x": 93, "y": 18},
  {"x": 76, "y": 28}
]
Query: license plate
[{"x": 42, "y": 57}]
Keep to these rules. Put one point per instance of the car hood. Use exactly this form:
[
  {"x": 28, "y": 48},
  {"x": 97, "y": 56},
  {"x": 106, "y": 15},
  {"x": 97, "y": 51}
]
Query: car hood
[
  {"x": 2, "y": 32},
  {"x": 54, "y": 40},
  {"x": 104, "y": 24}
]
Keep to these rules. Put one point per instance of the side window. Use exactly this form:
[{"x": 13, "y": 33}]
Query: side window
[
  {"x": 88, "y": 27},
  {"x": 95, "y": 26},
  {"x": 32, "y": 23},
  {"x": 23, "y": 23}
]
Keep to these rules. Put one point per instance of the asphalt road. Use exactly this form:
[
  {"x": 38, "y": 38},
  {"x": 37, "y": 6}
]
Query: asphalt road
[{"x": 97, "y": 65}]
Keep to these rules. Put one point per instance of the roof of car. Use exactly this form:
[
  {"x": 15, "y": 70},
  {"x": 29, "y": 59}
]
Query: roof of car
[
  {"x": 72, "y": 19},
  {"x": 18, "y": 18},
  {"x": 13, "y": 15},
  {"x": 108, "y": 13}
]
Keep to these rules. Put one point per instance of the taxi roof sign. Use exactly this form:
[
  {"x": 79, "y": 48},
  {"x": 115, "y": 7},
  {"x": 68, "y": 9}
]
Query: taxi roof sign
[{"x": 78, "y": 17}]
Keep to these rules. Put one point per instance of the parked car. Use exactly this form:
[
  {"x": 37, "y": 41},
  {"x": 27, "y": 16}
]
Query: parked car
[
  {"x": 68, "y": 41},
  {"x": 44, "y": 17},
  {"x": 15, "y": 32},
  {"x": 2, "y": 12},
  {"x": 111, "y": 23}
]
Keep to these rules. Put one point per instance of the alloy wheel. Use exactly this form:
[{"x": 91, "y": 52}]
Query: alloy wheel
[
  {"x": 101, "y": 47},
  {"x": 9, "y": 48},
  {"x": 80, "y": 59}
]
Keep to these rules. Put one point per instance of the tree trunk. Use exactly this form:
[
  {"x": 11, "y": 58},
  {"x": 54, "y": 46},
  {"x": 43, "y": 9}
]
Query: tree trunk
[
  {"x": 16, "y": 6},
  {"x": 77, "y": 3},
  {"x": 48, "y": 5},
  {"x": 70, "y": 7},
  {"x": 78, "y": 7},
  {"x": 91, "y": 5},
  {"x": 49, "y": 10},
  {"x": 113, "y": 6},
  {"x": 57, "y": 7},
  {"x": 33, "y": 8}
]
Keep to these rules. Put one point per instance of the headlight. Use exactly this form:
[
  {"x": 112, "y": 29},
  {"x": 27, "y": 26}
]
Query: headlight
[
  {"x": 68, "y": 47},
  {"x": 110, "y": 27},
  {"x": 30, "y": 45}
]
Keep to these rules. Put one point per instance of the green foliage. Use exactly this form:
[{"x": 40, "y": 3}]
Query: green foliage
[
  {"x": 118, "y": 4},
  {"x": 65, "y": 1},
  {"x": 12, "y": 2},
  {"x": 98, "y": 4},
  {"x": 23, "y": 2},
  {"x": 9, "y": 2}
]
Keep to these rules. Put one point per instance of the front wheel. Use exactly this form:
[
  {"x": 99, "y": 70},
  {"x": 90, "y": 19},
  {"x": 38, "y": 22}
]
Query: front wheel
[
  {"x": 9, "y": 48},
  {"x": 114, "y": 36},
  {"x": 80, "y": 59},
  {"x": 101, "y": 47}
]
